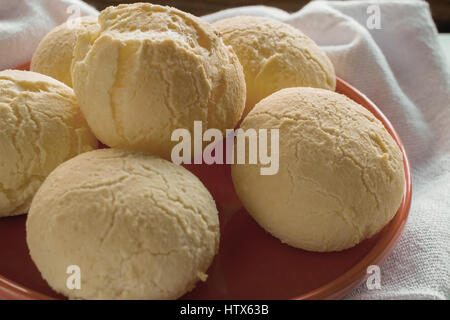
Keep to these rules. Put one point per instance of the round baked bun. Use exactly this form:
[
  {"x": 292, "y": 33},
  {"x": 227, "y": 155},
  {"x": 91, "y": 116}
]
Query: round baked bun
[
  {"x": 53, "y": 57},
  {"x": 275, "y": 55},
  {"x": 151, "y": 70},
  {"x": 340, "y": 178},
  {"x": 41, "y": 126},
  {"x": 136, "y": 226}
]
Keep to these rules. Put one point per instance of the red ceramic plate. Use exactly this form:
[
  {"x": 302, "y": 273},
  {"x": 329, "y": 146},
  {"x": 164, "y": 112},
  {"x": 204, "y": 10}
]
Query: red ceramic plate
[{"x": 250, "y": 264}]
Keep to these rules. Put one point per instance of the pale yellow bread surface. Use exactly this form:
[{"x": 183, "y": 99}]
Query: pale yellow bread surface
[
  {"x": 340, "y": 178},
  {"x": 138, "y": 227},
  {"x": 53, "y": 56},
  {"x": 152, "y": 69},
  {"x": 275, "y": 55},
  {"x": 41, "y": 126}
]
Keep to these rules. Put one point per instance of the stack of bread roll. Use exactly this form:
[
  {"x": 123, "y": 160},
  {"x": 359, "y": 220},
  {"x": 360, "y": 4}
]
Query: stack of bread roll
[{"x": 141, "y": 227}]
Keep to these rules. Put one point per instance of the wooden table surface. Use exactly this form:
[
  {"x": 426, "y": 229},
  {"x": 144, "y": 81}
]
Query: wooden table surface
[
  {"x": 439, "y": 8},
  {"x": 208, "y": 6}
]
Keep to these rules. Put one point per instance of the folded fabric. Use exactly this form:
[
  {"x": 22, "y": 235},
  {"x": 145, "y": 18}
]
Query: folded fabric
[{"x": 23, "y": 23}]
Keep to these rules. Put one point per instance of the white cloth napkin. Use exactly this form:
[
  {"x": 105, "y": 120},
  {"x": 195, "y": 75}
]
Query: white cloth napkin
[
  {"x": 23, "y": 23},
  {"x": 400, "y": 66}
]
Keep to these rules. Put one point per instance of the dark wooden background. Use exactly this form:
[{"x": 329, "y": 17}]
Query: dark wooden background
[{"x": 440, "y": 8}]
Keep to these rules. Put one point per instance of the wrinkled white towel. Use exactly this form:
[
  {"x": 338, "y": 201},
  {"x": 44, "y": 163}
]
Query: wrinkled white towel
[
  {"x": 400, "y": 66},
  {"x": 23, "y": 23}
]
